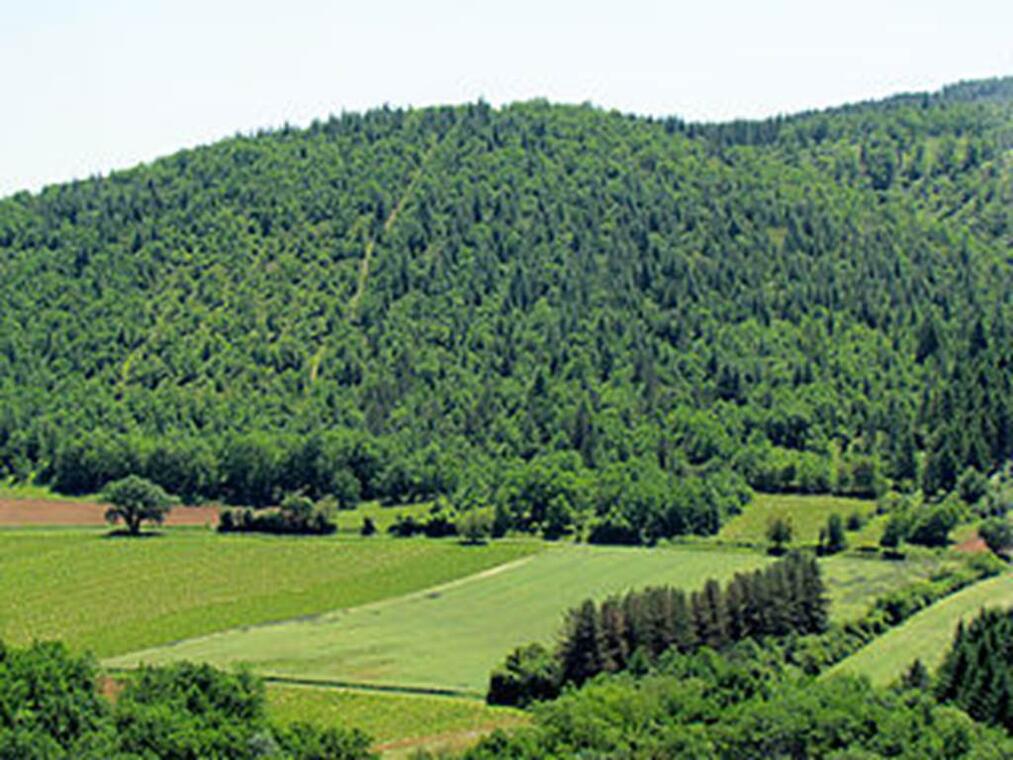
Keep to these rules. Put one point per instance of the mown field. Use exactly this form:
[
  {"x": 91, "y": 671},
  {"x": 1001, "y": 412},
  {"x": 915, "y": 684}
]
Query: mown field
[
  {"x": 400, "y": 724},
  {"x": 927, "y": 635},
  {"x": 451, "y": 637},
  {"x": 115, "y": 595},
  {"x": 807, "y": 515}
]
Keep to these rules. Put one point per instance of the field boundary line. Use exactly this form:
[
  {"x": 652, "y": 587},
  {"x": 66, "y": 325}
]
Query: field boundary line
[{"x": 338, "y": 684}]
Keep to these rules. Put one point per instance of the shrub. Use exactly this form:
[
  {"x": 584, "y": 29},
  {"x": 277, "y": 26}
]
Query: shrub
[
  {"x": 530, "y": 673},
  {"x": 475, "y": 525},
  {"x": 997, "y": 534},
  {"x": 298, "y": 515}
]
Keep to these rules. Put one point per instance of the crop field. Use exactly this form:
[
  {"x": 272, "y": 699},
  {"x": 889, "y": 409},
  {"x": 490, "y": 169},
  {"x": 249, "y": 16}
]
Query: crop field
[
  {"x": 400, "y": 724},
  {"x": 115, "y": 595},
  {"x": 807, "y": 515},
  {"x": 451, "y": 637},
  {"x": 928, "y": 634}
]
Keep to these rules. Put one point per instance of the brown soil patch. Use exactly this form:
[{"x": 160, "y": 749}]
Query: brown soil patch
[
  {"x": 110, "y": 687},
  {"x": 974, "y": 545},
  {"x": 27, "y": 512}
]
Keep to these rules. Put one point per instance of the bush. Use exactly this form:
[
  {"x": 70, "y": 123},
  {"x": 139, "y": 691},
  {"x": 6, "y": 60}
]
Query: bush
[
  {"x": 475, "y": 525},
  {"x": 931, "y": 525},
  {"x": 779, "y": 533},
  {"x": 297, "y": 515},
  {"x": 997, "y": 534},
  {"x": 530, "y": 673}
]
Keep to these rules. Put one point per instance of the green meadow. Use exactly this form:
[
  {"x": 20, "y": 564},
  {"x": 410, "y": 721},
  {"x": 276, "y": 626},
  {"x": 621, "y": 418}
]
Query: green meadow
[
  {"x": 807, "y": 515},
  {"x": 927, "y": 635},
  {"x": 400, "y": 724},
  {"x": 115, "y": 595}
]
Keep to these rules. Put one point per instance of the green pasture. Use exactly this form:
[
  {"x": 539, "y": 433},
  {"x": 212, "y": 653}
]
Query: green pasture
[
  {"x": 807, "y": 515},
  {"x": 115, "y": 595},
  {"x": 12, "y": 489},
  {"x": 350, "y": 520},
  {"x": 927, "y": 635},
  {"x": 399, "y": 723},
  {"x": 450, "y": 637}
]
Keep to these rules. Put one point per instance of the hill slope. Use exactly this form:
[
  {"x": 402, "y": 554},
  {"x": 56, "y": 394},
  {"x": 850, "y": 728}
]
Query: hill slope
[{"x": 537, "y": 298}]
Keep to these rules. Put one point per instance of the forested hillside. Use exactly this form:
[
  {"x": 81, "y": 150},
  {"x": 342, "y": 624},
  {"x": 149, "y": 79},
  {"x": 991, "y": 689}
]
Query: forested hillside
[{"x": 578, "y": 316}]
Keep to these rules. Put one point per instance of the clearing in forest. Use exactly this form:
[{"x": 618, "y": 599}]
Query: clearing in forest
[{"x": 807, "y": 515}]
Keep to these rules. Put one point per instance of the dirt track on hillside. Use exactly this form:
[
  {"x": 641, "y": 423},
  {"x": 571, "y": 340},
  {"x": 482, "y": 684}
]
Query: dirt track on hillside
[{"x": 26, "y": 512}]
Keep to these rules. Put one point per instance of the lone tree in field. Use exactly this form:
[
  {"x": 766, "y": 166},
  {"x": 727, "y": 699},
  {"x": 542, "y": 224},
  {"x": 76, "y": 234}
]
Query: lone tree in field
[
  {"x": 134, "y": 500},
  {"x": 779, "y": 532}
]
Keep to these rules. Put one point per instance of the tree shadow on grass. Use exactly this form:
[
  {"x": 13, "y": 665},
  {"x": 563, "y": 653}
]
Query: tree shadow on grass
[{"x": 123, "y": 533}]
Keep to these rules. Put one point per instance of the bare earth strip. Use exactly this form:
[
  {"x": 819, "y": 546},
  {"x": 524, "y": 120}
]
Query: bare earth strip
[{"x": 41, "y": 512}]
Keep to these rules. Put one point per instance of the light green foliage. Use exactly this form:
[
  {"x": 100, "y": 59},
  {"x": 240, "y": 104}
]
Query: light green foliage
[
  {"x": 927, "y": 635},
  {"x": 116, "y": 596}
]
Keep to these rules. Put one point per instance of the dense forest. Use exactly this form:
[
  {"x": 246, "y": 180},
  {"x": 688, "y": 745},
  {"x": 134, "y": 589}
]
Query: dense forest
[
  {"x": 51, "y": 708},
  {"x": 585, "y": 319}
]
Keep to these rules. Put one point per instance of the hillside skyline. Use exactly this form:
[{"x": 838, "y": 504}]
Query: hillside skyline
[{"x": 109, "y": 85}]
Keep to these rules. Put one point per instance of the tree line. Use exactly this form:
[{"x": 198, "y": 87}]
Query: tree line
[
  {"x": 786, "y": 597},
  {"x": 50, "y": 708}
]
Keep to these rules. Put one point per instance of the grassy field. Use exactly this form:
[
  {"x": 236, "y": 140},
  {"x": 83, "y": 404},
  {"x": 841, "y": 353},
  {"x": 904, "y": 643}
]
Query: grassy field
[
  {"x": 807, "y": 514},
  {"x": 855, "y": 582},
  {"x": 114, "y": 595},
  {"x": 10, "y": 489},
  {"x": 400, "y": 724},
  {"x": 927, "y": 635},
  {"x": 350, "y": 521},
  {"x": 451, "y": 637}
]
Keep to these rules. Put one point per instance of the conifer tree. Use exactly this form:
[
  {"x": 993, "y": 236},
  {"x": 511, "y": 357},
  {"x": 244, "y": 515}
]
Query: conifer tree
[
  {"x": 582, "y": 653},
  {"x": 614, "y": 633}
]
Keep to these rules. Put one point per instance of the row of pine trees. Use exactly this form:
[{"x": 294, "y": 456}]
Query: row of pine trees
[
  {"x": 786, "y": 597},
  {"x": 977, "y": 674}
]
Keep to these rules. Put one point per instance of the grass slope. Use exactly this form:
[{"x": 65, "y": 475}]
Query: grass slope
[
  {"x": 927, "y": 635},
  {"x": 807, "y": 514},
  {"x": 451, "y": 637},
  {"x": 399, "y": 723},
  {"x": 118, "y": 595}
]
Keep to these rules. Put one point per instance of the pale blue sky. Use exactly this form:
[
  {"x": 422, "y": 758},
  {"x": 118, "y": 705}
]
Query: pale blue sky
[{"x": 92, "y": 86}]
